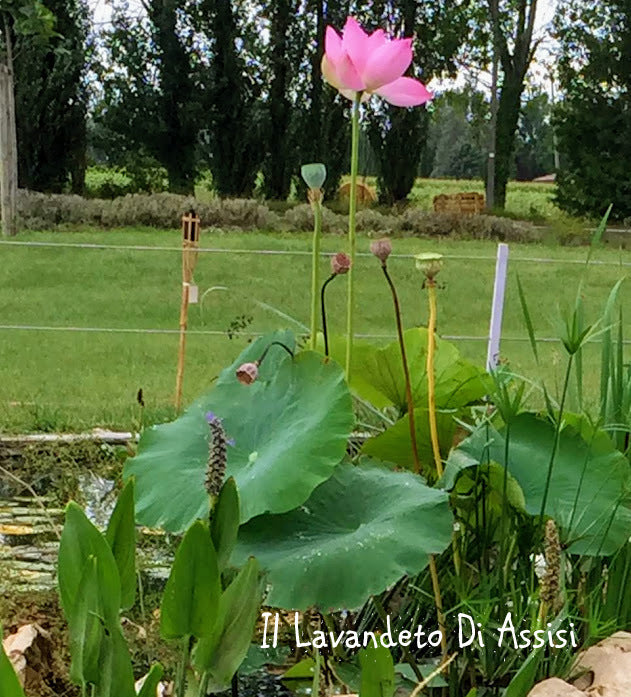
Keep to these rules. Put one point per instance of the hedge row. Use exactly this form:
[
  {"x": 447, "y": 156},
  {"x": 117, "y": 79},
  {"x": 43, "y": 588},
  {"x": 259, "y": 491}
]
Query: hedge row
[{"x": 44, "y": 212}]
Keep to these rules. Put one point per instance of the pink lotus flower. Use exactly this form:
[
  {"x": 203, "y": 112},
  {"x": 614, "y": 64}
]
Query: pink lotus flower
[{"x": 357, "y": 62}]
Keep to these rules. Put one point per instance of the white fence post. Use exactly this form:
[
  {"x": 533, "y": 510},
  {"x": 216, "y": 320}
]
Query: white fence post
[{"x": 497, "y": 309}]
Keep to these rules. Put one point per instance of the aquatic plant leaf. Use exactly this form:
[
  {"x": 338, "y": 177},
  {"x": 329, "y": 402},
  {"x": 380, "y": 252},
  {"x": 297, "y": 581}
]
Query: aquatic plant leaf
[
  {"x": 589, "y": 495},
  {"x": 80, "y": 540},
  {"x": 224, "y": 524},
  {"x": 359, "y": 532},
  {"x": 377, "y": 672},
  {"x": 239, "y": 608},
  {"x": 290, "y": 429},
  {"x": 121, "y": 537},
  {"x": 150, "y": 686},
  {"x": 191, "y": 597}
]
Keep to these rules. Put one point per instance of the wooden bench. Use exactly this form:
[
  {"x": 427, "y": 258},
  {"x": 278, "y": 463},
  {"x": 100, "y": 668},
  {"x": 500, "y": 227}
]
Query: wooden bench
[{"x": 469, "y": 203}]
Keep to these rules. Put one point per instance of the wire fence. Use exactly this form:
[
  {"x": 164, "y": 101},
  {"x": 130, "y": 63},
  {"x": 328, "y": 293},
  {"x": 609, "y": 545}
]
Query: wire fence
[
  {"x": 297, "y": 252},
  {"x": 51, "y": 399},
  {"x": 89, "y": 246}
]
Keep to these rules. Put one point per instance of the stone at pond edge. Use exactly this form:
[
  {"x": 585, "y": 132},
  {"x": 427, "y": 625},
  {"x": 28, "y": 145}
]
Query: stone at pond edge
[
  {"x": 555, "y": 688},
  {"x": 30, "y": 651},
  {"x": 603, "y": 670}
]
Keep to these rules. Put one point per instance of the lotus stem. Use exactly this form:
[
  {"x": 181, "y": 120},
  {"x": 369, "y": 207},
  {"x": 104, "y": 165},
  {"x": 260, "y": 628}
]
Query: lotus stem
[
  {"x": 323, "y": 308},
  {"x": 431, "y": 380},
  {"x": 406, "y": 370},
  {"x": 352, "y": 243},
  {"x": 316, "y": 205},
  {"x": 203, "y": 685},
  {"x": 269, "y": 346},
  {"x": 557, "y": 437},
  {"x": 180, "y": 676}
]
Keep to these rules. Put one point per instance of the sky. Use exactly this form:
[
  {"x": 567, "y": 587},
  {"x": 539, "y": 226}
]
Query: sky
[{"x": 101, "y": 12}]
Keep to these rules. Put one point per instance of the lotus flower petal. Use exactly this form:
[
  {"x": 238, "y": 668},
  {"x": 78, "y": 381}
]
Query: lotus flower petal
[
  {"x": 358, "y": 62},
  {"x": 387, "y": 63},
  {"x": 405, "y": 91},
  {"x": 332, "y": 45},
  {"x": 356, "y": 43},
  {"x": 348, "y": 75}
]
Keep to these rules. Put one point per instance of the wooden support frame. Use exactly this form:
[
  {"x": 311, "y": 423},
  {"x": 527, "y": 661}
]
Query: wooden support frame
[{"x": 191, "y": 230}]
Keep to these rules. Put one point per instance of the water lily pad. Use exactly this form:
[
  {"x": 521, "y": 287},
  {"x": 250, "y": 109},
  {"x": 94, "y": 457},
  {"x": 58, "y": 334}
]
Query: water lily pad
[
  {"x": 589, "y": 495},
  {"x": 358, "y": 533},
  {"x": 289, "y": 430}
]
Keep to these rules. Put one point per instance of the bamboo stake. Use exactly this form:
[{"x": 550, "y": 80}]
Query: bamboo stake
[{"x": 190, "y": 244}]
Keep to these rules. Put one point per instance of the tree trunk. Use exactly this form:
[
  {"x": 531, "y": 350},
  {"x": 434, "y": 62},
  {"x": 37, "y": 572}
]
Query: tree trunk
[
  {"x": 8, "y": 151},
  {"x": 507, "y": 120}
]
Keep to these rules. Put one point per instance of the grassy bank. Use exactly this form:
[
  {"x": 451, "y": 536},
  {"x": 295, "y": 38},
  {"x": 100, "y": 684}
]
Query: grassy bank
[{"x": 57, "y": 379}]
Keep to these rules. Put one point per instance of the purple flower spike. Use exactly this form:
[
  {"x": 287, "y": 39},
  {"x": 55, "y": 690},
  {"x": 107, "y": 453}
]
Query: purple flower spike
[
  {"x": 212, "y": 418},
  {"x": 231, "y": 442}
]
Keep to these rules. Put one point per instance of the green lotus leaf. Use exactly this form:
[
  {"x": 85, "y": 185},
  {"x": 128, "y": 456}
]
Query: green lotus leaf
[
  {"x": 289, "y": 429},
  {"x": 395, "y": 445},
  {"x": 377, "y": 373},
  {"x": 589, "y": 495},
  {"x": 358, "y": 533}
]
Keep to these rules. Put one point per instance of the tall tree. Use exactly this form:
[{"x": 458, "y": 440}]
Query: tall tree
[
  {"x": 512, "y": 29},
  {"x": 23, "y": 18},
  {"x": 593, "y": 120},
  {"x": 323, "y": 122},
  {"x": 534, "y": 148},
  {"x": 153, "y": 93},
  {"x": 398, "y": 136},
  {"x": 284, "y": 58},
  {"x": 458, "y": 134},
  {"x": 51, "y": 102},
  {"x": 232, "y": 141}
]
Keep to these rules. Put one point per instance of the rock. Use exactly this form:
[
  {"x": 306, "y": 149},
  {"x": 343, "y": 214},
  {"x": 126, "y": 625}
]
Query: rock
[
  {"x": 604, "y": 670},
  {"x": 29, "y": 650},
  {"x": 554, "y": 688}
]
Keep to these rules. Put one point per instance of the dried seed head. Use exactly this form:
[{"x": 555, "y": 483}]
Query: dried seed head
[
  {"x": 315, "y": 195},
  {"x": 340, "y": 263},
  {"x": 216, "y": 468},
  {"x": 248, "y": 372},
  {"x": 550, "y": 583},
  {"x": 381, "y": 249},
  {"x": 430, "y": 264}
]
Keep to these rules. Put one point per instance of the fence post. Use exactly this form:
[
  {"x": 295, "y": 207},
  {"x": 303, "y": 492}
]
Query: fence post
[
  {"x": 8, "y": 153},
  {"x": 191, "y": 229},
  {"x": 497, "y": 308}
]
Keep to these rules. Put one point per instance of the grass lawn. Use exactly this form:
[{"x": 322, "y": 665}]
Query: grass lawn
[{"x": 73, "y": 380}]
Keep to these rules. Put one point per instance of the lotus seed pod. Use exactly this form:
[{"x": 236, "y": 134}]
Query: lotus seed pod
[
  {"x": 429, "y": 264},
  {"x": 314, "y": 174},
  {"x": 340, "y": 263},
  {"x": 247, "y": 373},
  {"x": 315, "y": 195},
  {"x": 381, "y": 249}
]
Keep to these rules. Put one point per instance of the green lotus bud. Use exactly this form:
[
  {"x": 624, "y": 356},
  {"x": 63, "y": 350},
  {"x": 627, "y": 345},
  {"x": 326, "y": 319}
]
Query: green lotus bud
[
  {"x": 314, "y": 175},
  {"x": 430, "y": 264}
]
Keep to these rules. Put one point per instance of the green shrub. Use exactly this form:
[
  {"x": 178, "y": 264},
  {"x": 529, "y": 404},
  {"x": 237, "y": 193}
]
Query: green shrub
[
  {"x": 112, "y": 182},
  {"x": 300, "y": 219},
  {"x": 164, "y": 210}
]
